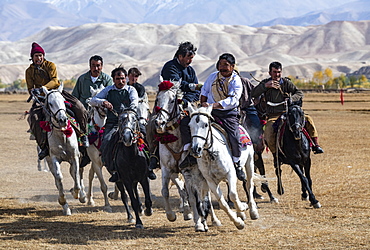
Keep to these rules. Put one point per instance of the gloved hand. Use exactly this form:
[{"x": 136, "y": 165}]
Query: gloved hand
[{"x": 36, "y": 91}]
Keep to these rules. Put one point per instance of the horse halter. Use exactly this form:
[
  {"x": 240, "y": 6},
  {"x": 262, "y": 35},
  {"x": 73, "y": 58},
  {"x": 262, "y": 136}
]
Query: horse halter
[
  {"x": 124, "y": 119},
  {"x": 48, "y": 110},
  {"x": 173, "y": 114},
  {"x": 299, "y": 123},
  {"x": 209, "y": 132}
]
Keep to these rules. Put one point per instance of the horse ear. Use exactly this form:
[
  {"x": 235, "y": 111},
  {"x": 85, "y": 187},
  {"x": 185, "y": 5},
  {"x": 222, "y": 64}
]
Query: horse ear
[
  {"x": 60, "y": 88},
  {"x": 191, "y": 108}
]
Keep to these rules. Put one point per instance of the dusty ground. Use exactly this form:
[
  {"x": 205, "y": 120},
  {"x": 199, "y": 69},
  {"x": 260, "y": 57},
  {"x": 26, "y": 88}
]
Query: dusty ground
[{"x": 30, "y": 217}]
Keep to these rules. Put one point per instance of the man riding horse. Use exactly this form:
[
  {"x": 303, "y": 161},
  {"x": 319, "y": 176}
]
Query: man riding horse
[
  {"x": 277, "y": 89},
  {"x": 222, "y": 91},
  {"x": 175, "y": 70},
  {"x": 112, "y": 98},
  {"x": 44, "y": 73}
]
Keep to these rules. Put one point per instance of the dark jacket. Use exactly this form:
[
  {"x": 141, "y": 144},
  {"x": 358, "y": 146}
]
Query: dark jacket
[
  {"x": 288, "y": 89},
  {"x": 173, "y": 70}
]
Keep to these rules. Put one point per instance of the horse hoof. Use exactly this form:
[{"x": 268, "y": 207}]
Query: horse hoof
[
  {"x": 171, "y": 216},
  {"x": 113, "y": 196},
  {"x": 91, "y": 203},
  {"x": 241, "y": 215},
  {"x": 254, "y": 215},
  {"x": 304, "y": 198},
  {"x": 66, "y": 210},
  {"x": 274, "y": 200},
  {"x": 239, "y": 224},
  {"x": 139, "y": 226},
  {"x": 188, "y": 216},
  {"x": 131, "y": 220},
  {"x": 280, "y": 191},
  {"x": 200, "y": 228},
  {"x": 216, "y": 223},
  {"x": 148, "y": 212},
  {"x": 108, "y": 209},
  {"x": 82, "y": 199},
  {"x": 317, "y": 205}
]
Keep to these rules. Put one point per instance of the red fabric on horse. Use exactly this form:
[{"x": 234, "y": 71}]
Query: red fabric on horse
[{"x": 165, "y": 85}]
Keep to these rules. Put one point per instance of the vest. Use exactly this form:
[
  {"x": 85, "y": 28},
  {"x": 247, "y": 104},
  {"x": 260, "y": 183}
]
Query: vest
[{"x": 117, "y": 98}]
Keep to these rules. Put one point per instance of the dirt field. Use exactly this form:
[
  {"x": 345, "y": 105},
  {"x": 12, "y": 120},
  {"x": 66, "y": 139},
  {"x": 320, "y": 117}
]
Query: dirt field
[{"x": 31, "y": 218}]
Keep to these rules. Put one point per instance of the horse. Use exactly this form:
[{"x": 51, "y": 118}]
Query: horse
[
  {"x": 195, "y": 190},
  {"x": 63, "y": 144},
  {"x": 131, "y": 163},
  {"x": 97, "y": 117},
  {"x": 143, "y": 113},
  {"x": 209, "y": 146},
  {"x": 166, "y": 122},
  {"x": 258, "y": 145},
  {"x": 293, "y": 148}
]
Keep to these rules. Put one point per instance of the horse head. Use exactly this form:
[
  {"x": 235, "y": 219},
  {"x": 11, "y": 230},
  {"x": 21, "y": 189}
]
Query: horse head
[
  {"x": 97, "y": 115},
  {"x": 295, "y": 120},
  {"x": 55, "y": 106},
  {"x": 143, "y": 111},
  {"x": 128, "y": 127},
  {"x": 200, "y": 128},
  {"x": 166, "y": 107}
]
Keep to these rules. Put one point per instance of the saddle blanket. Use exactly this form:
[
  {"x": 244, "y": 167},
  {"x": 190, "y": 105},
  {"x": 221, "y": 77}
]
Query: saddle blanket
[{"x": 244, "y": 138}]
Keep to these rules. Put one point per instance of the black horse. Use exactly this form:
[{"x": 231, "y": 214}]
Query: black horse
[
  {"x": 131, "y": 163},
  {"x": 293, "y": 148}
]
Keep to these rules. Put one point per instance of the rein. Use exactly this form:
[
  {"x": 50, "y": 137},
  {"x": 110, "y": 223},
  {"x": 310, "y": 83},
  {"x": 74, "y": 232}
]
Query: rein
[{"x": 207, "y": 145}]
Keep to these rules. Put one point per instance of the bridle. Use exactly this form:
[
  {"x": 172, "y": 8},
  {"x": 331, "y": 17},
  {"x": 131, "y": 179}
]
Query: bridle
[
  {"x": 172, "y": 115},
  {"x": 206, "y": 145},
  {"x": 124, "y": 121},
  {"x": 299, "y": 123},
  {"x": 49, "y": 112}
]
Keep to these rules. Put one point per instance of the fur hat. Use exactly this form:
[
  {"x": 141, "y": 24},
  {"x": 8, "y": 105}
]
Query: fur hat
[{"x": 36, "y": 49}]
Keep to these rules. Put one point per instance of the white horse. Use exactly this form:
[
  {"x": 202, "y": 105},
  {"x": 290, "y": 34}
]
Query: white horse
[
  {"x": 97, "y": 118},
  {"x": 171, "y": 154},
  {"x": 214, "y": 159},
  {"x": 63, "y": 144}
]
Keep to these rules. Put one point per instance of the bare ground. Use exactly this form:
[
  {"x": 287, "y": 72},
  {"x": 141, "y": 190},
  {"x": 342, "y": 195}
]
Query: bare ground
[{"x": 31, "y": 218}]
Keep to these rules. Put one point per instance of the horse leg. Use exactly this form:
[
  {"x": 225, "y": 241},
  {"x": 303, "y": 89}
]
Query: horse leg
[
  {"x": 277, "y": 166},
  {"x": 216, "y": 190},
  {"x": 114, "y": 195},
  {"x": 82, "y": 194},
  {"x": 196, "y": 201},
  {"x": 171, "y": 216},
  {"x": 120, "y": 186},
  {"x": 54, "y": 166},
  {"x": 90, "y": 200},
  {"x": 130, "y": 187},
  {"x": 249, "y": 187},
  {"x": 214, "y": 219},
  {"x": 304, "y": 182},
  {"x": 264, "y": 186},
  {"x": 75, "y": 173},
  {"x": 184, "y": 196},
  {"x": 148, "y": 201},
  {"x": 103, "y": 186}
]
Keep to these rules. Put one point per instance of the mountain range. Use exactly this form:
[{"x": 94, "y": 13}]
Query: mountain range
[
  {"x": 343, "y": 46},
  {"x": 22, "y": 18}
]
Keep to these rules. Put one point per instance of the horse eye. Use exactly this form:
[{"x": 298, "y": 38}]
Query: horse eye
[{"x": 206, "y": 125}]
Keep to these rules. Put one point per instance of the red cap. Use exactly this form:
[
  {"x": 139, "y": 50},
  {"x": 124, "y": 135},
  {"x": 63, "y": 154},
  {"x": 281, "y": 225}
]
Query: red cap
[{"x": 36, "y": 49}]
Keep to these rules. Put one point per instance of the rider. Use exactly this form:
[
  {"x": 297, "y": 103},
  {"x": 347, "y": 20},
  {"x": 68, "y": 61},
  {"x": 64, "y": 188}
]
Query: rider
[
  {"x": 44, "y": 73},
  {"x": 93, "y": 78},
  {"x": 112, "y": 97},
  {"x": 175, "y": 70},
  {"x": 222, "y": 90},
  {"x": 277, "y": 89}
]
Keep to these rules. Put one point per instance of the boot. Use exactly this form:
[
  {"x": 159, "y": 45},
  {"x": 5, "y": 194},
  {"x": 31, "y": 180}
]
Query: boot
[
  {"x": 153, "y": 162},
  {"x": 43, "y": 153},
  {"x": 239, "y": 171},
  {"x": 114, "y": 177},
  {"x": 188, "y": 161},
  {"x": 316, "y": 148},
  {"x": 85, "y": 141}
]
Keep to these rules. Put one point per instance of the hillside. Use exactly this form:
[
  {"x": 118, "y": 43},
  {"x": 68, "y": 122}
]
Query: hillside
[{"x": 343, "y": 46}]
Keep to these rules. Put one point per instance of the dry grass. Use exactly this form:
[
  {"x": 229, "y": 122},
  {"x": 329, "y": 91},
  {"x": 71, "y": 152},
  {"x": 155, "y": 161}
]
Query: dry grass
[{"x": 31, "y": 218}]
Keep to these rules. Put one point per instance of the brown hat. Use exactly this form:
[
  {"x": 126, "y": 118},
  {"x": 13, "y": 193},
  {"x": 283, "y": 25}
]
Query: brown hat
[{"x": 36, "y": 49}]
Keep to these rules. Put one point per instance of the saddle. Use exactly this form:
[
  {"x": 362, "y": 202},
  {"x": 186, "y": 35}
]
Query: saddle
[{"x": 244, "y": 137}]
